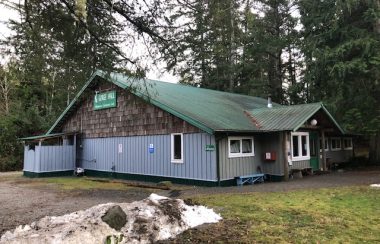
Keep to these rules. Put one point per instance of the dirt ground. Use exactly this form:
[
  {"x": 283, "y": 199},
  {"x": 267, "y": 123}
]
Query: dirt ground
[{"x": 23, "y": 203}]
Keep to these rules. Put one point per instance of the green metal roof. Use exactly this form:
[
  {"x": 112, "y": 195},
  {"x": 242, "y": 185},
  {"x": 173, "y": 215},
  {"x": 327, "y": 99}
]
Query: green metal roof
[
  {"x": 206, "y": 109},
  {"x": 289, "y": 118},
  {"x": 45, "y": 136}
]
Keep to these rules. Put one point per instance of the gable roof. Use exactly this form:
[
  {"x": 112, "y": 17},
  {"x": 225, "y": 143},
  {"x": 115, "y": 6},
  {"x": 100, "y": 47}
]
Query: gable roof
[
  {"x": 209, "y": 110},
  {"x": 289, "y": 118}
]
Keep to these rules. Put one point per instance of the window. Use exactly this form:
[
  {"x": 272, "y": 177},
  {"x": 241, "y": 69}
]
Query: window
[
  {"x": 326, "y": 145},
  {"x": 335, "y": 144},
  {"x": 347, "y": 143},
  {"x": 300, "y": 146},
  {"x": 240, "y": 147},
  {"x": 177, "y": 148}
]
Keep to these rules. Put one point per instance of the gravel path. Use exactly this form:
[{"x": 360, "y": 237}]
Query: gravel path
[
  {"x": 334, "y": 179},
  {"x": 22, "y": 204}
]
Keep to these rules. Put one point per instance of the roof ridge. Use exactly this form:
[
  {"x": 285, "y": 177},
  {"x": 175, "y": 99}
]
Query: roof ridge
[{"x": 185, "y": 85}]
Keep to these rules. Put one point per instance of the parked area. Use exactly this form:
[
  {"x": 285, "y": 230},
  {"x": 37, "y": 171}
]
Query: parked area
[{"x": 343, "y": 199}]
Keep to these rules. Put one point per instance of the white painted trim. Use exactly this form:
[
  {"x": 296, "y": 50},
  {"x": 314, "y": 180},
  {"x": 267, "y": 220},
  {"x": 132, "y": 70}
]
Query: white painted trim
[
  {"x": 336, "y": 148},
  {"x": 240, "y": 154},
  {"x": 299, "y": 134},
  {"x": 344, "y": 144},
  {"x": 173, "y": 160}
]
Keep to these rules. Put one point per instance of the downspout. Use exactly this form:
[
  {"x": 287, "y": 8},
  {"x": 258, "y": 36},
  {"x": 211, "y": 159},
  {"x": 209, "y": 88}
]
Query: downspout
[{"x": 217, "y": 159}]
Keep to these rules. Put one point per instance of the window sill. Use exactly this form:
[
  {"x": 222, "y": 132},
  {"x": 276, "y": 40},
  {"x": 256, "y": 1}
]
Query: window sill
[
  {"x": 300, "y": 158},
  {"x": 177, "y": 161},
  {"x": 336, "y": 149},
  {"x": 348, "y": 148},
  {"x": 241, "y": 155}
]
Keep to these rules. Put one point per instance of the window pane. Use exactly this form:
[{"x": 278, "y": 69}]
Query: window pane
[
  {"x": 247, "y": 145},
  {"x": 235, "y": 146},
  {"x": 338, "y": 143},
  {"x": 347, "y": 143},
  {"x": 177, "y": 147},
  {"x": 333, "y": 145},
  {"x": 304, "y": 145},
  {"x": 326, "y": 144},
  {"x": 295, "y": 146}
]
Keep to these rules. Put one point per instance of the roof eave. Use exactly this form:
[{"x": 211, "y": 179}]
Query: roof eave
[{"x": 137, "y": 93}]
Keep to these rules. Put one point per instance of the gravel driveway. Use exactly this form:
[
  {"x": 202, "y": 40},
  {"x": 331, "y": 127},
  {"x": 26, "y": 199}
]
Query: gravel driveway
[{"x": 21, "y": 203}]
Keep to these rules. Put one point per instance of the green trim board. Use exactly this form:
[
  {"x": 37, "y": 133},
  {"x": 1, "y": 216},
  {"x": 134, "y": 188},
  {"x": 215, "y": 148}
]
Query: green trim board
[
  {"x": 156, "y": 179},
  {"x": 48, "y": 174}
]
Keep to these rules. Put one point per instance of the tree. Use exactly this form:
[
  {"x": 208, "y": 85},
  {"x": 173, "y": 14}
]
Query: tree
[{"x": 342, "y": 57}]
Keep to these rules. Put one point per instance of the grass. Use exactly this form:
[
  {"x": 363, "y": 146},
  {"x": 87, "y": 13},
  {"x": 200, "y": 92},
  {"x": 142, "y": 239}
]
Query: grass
[
  {"x": 338, "y": 215},
  {"x": 67, "y": 183}
]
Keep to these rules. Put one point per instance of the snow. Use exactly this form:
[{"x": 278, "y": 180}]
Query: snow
[
  {"x": 152, "y": 219},
  {"x": 375, "y": 186}
]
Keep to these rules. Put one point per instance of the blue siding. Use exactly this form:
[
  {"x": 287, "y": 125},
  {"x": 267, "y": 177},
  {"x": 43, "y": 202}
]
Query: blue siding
[
  {"x": 49, "y": 158},
  {"x": 199, "y": 164}
]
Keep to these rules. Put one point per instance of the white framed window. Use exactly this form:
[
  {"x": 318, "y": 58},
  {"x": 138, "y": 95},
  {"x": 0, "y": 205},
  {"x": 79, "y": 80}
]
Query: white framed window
[
  {"x": 239, "y": 146},
  {"x": 176, "y": 143},
  {"x": 347, "y": 143},
  {"x": 336, "y": 144},
  {"x": 300, "y": 146},
  {"x": 326, "y": 144}
]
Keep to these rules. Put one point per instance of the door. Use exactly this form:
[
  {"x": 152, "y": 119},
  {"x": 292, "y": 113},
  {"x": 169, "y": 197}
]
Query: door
[{"x": 314, "y": 149}]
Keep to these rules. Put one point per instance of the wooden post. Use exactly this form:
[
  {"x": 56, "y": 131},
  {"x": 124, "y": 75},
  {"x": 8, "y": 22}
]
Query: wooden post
[
  {"x": 323, "y": 151},
  {"x": 285, "y": 153},
  {"x": 75, "y": 150},
  {"x": 37, "y": 162}
]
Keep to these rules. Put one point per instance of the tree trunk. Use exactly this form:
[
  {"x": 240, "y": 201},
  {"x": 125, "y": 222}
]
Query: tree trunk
[{"x": 374, "y": 148}]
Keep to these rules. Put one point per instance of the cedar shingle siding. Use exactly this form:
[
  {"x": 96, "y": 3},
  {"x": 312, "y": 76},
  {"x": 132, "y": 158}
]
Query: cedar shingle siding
[{"x": 132, "y": 117}]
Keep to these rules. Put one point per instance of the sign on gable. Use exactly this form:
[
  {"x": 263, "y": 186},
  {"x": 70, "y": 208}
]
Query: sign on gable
[{"x": 105, "y": 100}]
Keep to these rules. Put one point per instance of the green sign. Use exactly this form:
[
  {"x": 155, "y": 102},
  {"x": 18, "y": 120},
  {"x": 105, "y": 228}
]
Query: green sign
[
  {"x": 210, "y": 147},
  {"x": 105, "y": 100}
]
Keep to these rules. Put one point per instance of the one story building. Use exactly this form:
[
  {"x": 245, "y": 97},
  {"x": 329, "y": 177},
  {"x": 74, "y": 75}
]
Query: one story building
[{"x": 121, "y": 127}]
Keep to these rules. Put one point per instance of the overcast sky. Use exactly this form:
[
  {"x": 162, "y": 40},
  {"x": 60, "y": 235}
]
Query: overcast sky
[{"x": 6, "y": 14}]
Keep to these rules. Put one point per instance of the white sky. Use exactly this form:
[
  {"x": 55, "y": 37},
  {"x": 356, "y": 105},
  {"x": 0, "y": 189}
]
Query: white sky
[{"x": 6, "y": 14}]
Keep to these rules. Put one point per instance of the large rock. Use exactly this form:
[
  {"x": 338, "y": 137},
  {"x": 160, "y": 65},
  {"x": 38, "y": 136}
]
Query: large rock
[{"x": 115, "y": 217}]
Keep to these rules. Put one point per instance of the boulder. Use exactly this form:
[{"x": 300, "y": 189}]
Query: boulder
[{"x": 115, "y": 217}]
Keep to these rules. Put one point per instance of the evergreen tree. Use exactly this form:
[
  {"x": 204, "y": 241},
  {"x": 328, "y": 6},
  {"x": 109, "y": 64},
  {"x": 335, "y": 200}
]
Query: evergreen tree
[{"x": 342, "y": 57}]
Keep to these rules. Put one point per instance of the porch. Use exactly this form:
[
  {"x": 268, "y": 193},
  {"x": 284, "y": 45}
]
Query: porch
[{"x": 49, "y": 155}]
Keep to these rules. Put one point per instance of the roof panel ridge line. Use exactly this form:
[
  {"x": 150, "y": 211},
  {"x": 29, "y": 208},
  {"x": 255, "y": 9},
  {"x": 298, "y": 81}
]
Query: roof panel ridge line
[
  {"x": 332, "y": 118},
  {"x": 308, "y": 116},
  {"x": 253, "y": 119}
]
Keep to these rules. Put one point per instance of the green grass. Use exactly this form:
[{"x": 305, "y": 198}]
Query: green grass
[
  {"x": 68, "y": 183},
  {"x": 338, "y": 215}
]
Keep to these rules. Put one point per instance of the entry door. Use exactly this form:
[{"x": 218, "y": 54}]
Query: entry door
[{"x": 314, "y": 149}]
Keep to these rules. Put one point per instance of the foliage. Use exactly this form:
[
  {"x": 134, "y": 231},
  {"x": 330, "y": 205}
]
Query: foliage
[{"x": 334, "y": 215}]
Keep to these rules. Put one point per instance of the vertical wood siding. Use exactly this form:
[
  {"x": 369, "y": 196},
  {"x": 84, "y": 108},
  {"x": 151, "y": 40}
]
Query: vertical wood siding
[
  {"x": 272, "y": 143},
  {"x": 49, "y": 158},
  {"x": 29, "y": 159},
  {"x": 102, "y": 154},
  {"x": 301, "y": 164},
  {"x": 56, "y": 158},
  {"x": 339, "y": 156},
  {"x": 232, "y": 167}
]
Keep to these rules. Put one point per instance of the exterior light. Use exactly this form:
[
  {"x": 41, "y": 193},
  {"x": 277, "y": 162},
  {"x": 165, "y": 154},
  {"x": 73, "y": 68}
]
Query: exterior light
[{"x": 313, "y": 122}]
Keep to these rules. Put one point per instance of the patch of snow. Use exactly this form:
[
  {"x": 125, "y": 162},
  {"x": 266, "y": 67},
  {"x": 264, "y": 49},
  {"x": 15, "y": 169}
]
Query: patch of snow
[
  {"x": 152, "y": 219},
  {"x": 375, "y": 186}
]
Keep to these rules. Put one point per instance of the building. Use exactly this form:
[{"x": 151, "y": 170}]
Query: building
[{"x": 121, "y": 127}]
